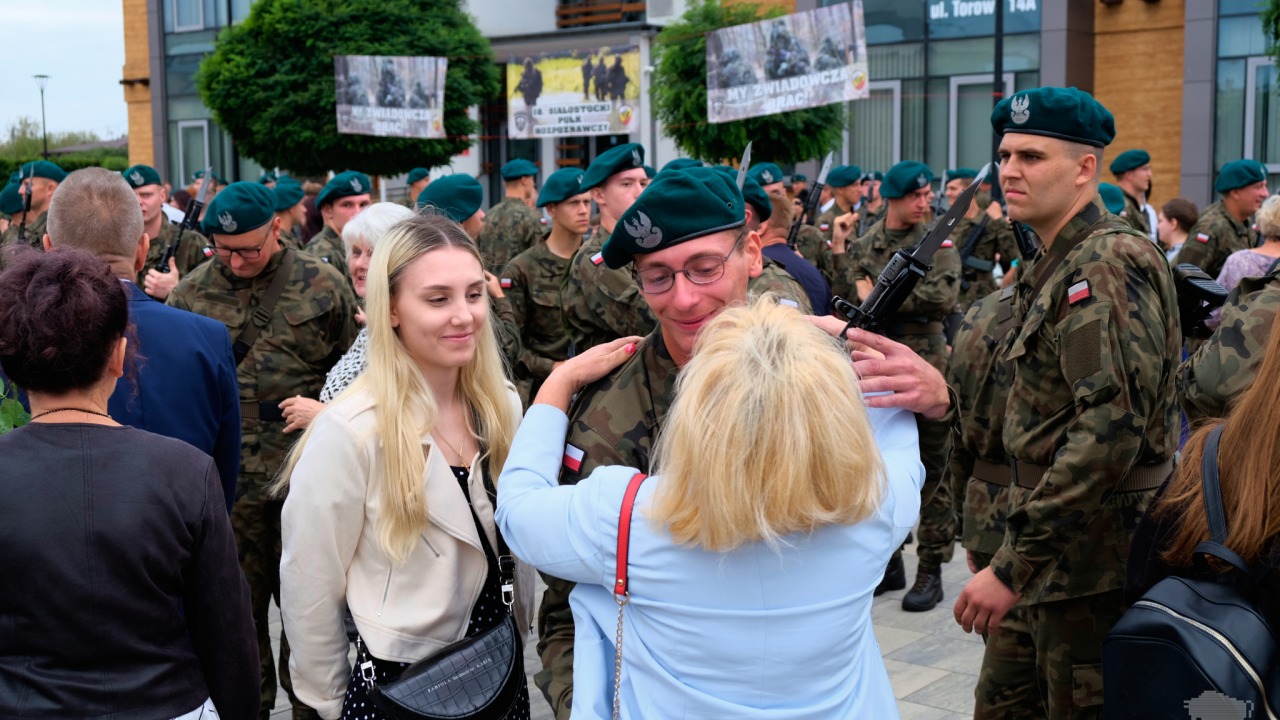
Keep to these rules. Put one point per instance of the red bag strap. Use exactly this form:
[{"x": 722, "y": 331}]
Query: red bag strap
[{"x": 624, "y": 532}]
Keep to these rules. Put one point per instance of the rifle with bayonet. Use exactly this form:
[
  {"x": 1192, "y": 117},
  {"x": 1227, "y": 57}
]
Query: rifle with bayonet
[
  {"x": 194, "y": 207},
  {"x": 904, "y": 270},
  {"x": 26, "y": 204},
  {"x": 940, "y": 198},
  {"x": 743, "y": 165},
  {"x": 811, "y": 203}
]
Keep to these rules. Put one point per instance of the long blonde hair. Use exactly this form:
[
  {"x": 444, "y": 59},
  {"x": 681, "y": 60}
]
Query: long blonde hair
[
  {"x": 403, "y": 403},
  {"x": 767, "y": 436}
]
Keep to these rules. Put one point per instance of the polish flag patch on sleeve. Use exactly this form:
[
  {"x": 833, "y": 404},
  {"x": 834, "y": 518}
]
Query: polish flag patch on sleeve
[
  {"x": 597, "y": 258},
  {"x": 947, "y": 243},
  {"x": 208, "y": 252},
  {"x": 1079, "y": 292},
  {"x": 505, "y": 283},
  {"x": 824, "y": 227},
  {"x": 573, "y": 458},
  {"x": 1202, "y": 237}
]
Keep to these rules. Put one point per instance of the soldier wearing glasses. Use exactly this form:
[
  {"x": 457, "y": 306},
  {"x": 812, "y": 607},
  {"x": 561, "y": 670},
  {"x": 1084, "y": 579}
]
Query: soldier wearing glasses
[{"x": 310, "y": 326}]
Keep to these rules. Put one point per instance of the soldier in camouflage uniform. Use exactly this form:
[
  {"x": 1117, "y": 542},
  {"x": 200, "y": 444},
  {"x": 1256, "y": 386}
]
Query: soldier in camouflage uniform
[
  {"x": 10, "y": 204},
  {"x": 532, "y": 280},
  {"x": 775, "y": 277},
  {"x": 982, "y": 237},
  {"x": 1225, "y": 365},
  {"x": 1132, "y": 169},
  {"x": 1090, "y": 421},
  {"x": 1225, "y": 226},
  {"x": 603, "y": 304},
  {"x": 342, "y": 198},
  {"x": 39, "y": 178},
  {"x": 845, "y": 183},
  {"x": 291, "y": 210},
  {"x": 810, "y": 242},
  {"x": 192, "y": 250},
  {"x": 919, "y": 326},
  {"x": 511, "y": 226},
  {"x": 308, "y": 330}
]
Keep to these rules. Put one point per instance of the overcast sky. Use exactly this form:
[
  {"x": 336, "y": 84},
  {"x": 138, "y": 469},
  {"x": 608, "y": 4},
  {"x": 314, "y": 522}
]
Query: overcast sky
[{"x": 79, "y": 44}]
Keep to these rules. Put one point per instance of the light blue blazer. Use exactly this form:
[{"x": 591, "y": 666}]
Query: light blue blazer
[{"x": 750, "y": 633}]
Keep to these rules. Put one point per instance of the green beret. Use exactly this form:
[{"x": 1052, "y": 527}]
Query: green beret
[
  {"x": 649, "y": 172},
  {"x": 1129, "y": 160},
  {"x": 1063, "y": 113},
  {"x": 519, "y": 168},
  {"x": 1238, "y": 174},
  {"x": 560, "y": 186},
  {"x": 240, "y": 208},
  {"x": 1112, "y": 197},
  {"x": 627, "y": 156},
  {"x": 961, "y": 174},
  {"x": 197, "y": 175},
  {"x": 344, "y": 184},
  {"x": 267, "y": 177},
  {"x": 752, "y": 192},
  {"x": 288, "y": 193},
  {"x": 905, "y": 178},
  {"x": 457, "y": 196},
  {"x": 142, "y": 176},
  {"x": 676, "y": 207},
  {"x": 874, "y": 175},
  {"x": 416, "y": 174},
  {"x": 10, "y": 200},
  {"x": 765, "y": 173},
  {"x": 843, "y": 176},
  {"x": 682, "y": 164},
  {"x": 797, "y": 177},
  {"x": 43, "y": 169}
]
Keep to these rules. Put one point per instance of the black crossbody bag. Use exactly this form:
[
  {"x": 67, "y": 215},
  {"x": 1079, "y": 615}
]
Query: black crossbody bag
[{"x": 476, "y": 677}]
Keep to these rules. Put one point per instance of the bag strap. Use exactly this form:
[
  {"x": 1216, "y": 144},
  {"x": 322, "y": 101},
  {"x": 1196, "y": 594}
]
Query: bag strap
[
  {"x": 620, "y": 584},
  {"x": 262, "y": 315},
  {"x": 1217, "y": 517},
  {"x": 505, "y": 561}
]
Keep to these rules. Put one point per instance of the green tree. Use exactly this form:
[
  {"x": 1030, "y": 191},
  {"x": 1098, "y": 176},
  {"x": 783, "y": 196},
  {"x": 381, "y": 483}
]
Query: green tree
[
  {"x": 269, "y": 81},
  {"x": 680, "y": 97}
]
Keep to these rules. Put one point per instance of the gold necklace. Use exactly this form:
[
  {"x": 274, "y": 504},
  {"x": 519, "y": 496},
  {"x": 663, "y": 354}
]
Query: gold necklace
[{"x": 462, "y": 461}]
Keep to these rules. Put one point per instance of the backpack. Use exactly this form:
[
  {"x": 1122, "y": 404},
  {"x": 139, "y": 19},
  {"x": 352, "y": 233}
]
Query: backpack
[{"x": 1196, "y": 648}]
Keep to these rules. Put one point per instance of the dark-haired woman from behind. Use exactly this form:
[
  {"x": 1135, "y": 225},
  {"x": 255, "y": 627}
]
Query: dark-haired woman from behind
[
  {"x": 122, "y": 593},
  {"x": 1249, "y": 473}
]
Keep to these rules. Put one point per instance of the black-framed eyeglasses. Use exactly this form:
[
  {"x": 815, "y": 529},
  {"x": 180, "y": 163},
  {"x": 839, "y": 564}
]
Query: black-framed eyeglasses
[
  {"x": 699, "y": 271},
  {"x": 252, "y": 253}
]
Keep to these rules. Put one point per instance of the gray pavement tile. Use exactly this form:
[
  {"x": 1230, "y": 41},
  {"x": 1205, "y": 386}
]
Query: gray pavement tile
[
  {"x": 942, "y": 652},
  {"x": 907, "y": 678},
  {"x": 912, "y": 711},
  {"x": 952, "y": 693}
]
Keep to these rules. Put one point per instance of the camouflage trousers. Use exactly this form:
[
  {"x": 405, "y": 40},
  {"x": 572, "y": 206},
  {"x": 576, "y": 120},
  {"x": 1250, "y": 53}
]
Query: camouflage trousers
[
  {"x": 937, "y": 507},
  {"x": 1046, "y": 660},
  {"x": 255, "y": 521},
  {"x": 555, "y": 646}
]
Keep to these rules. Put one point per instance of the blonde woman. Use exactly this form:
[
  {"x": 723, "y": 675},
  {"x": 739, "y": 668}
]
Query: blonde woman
[
  {"x": 754, "y": 549},
  {"x": 387, "y": 489}
]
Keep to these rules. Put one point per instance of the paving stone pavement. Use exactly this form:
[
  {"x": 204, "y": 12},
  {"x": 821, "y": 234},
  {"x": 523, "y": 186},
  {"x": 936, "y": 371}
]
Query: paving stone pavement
[{"x": 933, "y": 665}]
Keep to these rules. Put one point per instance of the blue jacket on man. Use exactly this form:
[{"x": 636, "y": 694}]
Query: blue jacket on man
[{"x": 185, "y": 385}]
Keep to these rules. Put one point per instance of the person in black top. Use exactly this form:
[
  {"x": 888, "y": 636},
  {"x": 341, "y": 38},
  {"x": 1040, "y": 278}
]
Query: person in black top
[
  {"x": 123, "y": 596},
  {"x": 773, "y": 243}
]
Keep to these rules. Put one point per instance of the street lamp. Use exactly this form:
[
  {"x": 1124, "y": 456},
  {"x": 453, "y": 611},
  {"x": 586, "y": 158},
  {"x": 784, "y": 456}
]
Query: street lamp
[{"x": 41, "y": 81}]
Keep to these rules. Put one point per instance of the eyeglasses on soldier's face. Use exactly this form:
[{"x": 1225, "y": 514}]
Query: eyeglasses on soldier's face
[
  {"x": 252, "y": 253},
  {"x": 699, "y": 271}
]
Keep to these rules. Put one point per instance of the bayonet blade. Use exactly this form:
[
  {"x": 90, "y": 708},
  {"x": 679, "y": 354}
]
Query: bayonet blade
[
  {"x": 942, "y": 229},
  {"x": 204, "y": 185},
  {"x": 742, "y": 166},
  {"x": 826, "y": 168}
]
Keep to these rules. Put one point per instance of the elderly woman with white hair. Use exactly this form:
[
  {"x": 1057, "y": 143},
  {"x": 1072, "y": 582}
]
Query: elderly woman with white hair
[{"x": 360, "y": 236}]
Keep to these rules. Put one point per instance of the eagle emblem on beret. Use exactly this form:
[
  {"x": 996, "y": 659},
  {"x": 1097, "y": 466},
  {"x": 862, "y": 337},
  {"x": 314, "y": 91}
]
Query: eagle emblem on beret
[
  {"x": 355, "y": 185},
  {"x": 766, "y": 176},
  {"x": 642, "y": 230},
  {"x": 921, "y": 181},
  {"x": 227, "y": 222},
  {"x": 635, "y": 158},
  {"x": 135, "y": 177},
  {"x": 1020, "y": 109}
]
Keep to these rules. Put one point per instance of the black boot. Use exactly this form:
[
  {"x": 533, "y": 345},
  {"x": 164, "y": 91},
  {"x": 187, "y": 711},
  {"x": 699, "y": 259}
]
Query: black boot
[
  {"x": 926, "y": 593},
  {"x": 895, "y": 576}
]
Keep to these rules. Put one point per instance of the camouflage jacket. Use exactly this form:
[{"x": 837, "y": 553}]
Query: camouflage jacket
[
  {"x": 1225, "y": 365},
  {"x": 1215, "y": 236},
  {"x": 1135, "y": 215},
  {"x": 827, "y": 220},
  {"x": 327, "y": 246},
  {"x": 981, "y": 385},
  {"x": 1092, "y": 399},
  {"x": 35, "y": 235},
  {"x": 532, "y": 282},
  {"x": 813, "y": 245},
  {"x": 933, "y": 297},
  {"x": 510, "y": 228},
  {"x": 993, "y": 243},
  {"x": 192, "y": 251},
  {"x": 774, "y": 279},
  {"x": 600, "y": 304},
  {"x": 507, "y": 331},
  {"x": 312, "y": 326}
]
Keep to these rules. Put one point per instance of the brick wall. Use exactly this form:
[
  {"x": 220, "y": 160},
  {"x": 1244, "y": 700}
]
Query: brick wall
[
  {"x": 1138, "y": 76},
  {"x": 137, "y": 95}
]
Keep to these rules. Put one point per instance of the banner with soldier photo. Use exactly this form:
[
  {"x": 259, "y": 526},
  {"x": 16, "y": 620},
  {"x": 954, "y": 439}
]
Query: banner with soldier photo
[
  {"x": 390, "y": 96},
  {"x": 792, "y": 62},
  {"x": 574, "y": 92}
]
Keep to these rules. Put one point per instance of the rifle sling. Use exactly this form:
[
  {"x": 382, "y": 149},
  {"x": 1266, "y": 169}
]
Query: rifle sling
[{"x": 262, "y": 315}]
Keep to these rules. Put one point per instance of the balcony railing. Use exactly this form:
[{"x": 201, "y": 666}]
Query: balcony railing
[{"x": 580, "y": 13}]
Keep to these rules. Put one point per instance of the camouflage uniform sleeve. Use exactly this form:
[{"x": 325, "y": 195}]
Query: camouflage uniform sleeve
[
  {"x": 181, "y": 295},
  {"x": 1111, "y": 363},
  {"x": 1006, "y": 244},
  {"x": 518, "y": 294},
  {"x": 626, "y": 313},
  {"x": 841, "y": 277},
  {"x": 191, "y": 251},
  {"x": 939, "y": 291},
  {"x": 1195, "y": 251},
  {"x": 1225, "y": 365},
  {"x": 530, "y": 231},
  {"x": 507, "y": 330}
]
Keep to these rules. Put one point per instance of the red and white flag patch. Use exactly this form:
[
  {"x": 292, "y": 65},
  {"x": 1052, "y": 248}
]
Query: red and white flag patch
[
  {"x": 824, "y": 227},
  {"x": 1078, "y": 292},
  {"x": 573, "y": 458},
  {"x": 505, "y": 283},
  {"x": 947, "y": 243},
  {"x": 597, "y": 258},
  {"x": 1202, "y": 237},
  {"x": 208, "y": 252}
]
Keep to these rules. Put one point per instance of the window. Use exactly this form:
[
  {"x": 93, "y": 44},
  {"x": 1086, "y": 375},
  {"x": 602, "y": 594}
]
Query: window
[
  {"x": 970, "y": 119},
  {"x": 187, "y": 14},
  {"x": 872, "y": 121},
  {"x": 1262, "y": 114},
  {"x": 193, "y": 147}
]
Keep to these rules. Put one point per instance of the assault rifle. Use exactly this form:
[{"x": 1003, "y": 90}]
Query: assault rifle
[
  {"x": 26, "y": 204},
  {"x": 811, "y": 204},
  {"x": 1198, "y": 296},
  {"x": 194, "y": 206}
]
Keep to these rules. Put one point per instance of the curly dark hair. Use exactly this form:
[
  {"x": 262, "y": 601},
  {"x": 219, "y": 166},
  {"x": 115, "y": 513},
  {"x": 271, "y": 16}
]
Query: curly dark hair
[{"x": 61, "y": 314}]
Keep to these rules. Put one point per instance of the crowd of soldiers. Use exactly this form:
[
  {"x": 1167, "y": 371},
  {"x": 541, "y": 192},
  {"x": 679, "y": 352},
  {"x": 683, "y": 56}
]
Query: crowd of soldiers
[{"x": 1053, "y": 319}]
